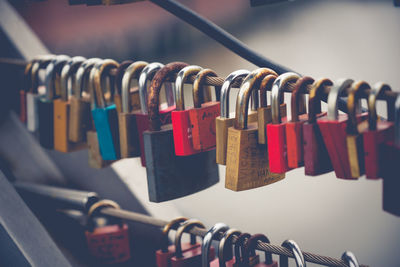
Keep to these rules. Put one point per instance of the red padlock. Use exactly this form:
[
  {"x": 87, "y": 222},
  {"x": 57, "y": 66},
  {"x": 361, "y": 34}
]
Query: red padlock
[
  {"x": 250, "y": 252},
  {"x": 276, "y": 131},
  {"x": 378, "y": 131},
  {"x": 316, "y": 157},
  {"x": 202, "y": 116},
  {"x": 239, "y": 249},
  {"x": 190, "y": 257},
  {"x": 225, "y": 255},
  {"x": 207, "y": 256},
  {"x": 107, "y": 243},
  {"x": 142, "y": 118},
  {"x": 181, "y": 126},
  {"x": 294, "y": 128}
]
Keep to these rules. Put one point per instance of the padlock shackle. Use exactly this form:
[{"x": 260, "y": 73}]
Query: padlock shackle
[
  {"x": 350, "y": 259},
  {"x": 180, "y": 80},
  {"x": 277, "y": 93},
  {"x": 170, "y": 225},
  {"x": 28, "y": 77},
  {"x": 153, "y": 103},
  {"x": 132, "y": 71},
  {"x": 354, "y": 104},
  {"x": 67, "y": 71},
  {"x": 250, "y": 248},
  {"x": 397, "y": 121},
  {"x": 250, "y": 83},
  {"x": 226, "y": 88},
  {"x": 207, "y": 239},
  {"x": 225, "y": 244},
  {"x": 185, "y": 226},
  {"x": 199, "y": 87},
  {"x": 51, "y": 77},
  {"x": 298, "y": 94},
  {"x": 298, "y": 255},
  {"x": 315, "y": 97},
  {"x": 41, "y": 62},
  {"x": 335, "y": 92},
  {"x": 119, "y": 76},
  {"x": 94, "y": 210},
  {"x": 378, "y": 90},
  {"x": 144, "y": 76},
  {"x": 101, "y": 69},
  {"x": 266, "y": 85},
  {"x": 81, "y": 77},
  {"x": 239, "y": 247}
]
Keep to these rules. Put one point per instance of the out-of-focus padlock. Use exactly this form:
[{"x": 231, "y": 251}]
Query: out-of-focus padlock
[
  {"x": 202, "y": 116},
  {"x": 181, "y": 126},
  {"x": 80, "y": 118},
  {"x": 316, "y": 157},
  {"x": 276, "y": 131},
  {"x": 190, "y": 257},
  {"x": 225, "y": 255},
  {"x": 298, "y": 255},
  {"x": 62, "y": 107},
  {"x": 350, "y": 259},
  {"x": 105, "y": 115},
  {"x": 250, "y": 252},
  {"x": 294, "y": 127},
  {"x": 378, "y": 131},
  {"x": 142, "y": 120},
  {"x": 207, "y": 256},
  {"x": 389, "y": 160},
  {"x": 117, "y": 95},
  {"x": 354, "y": 130},
  {"x": 170, "y": 176},
  {"x": 128, "y": 133},
  {"x": 22, "y": 93},
  {"x": 247, "y": 164},
  {"x": 46, "y": 104},
  {"x": 107, "y": 238},
  {"x": 239, "y": 249}
]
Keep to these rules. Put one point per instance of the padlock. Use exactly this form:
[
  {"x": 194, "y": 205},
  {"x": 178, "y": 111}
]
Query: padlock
[
  {"x": 104, "y": 115},
  {"x": 247, "y": 164},
  {"x": 354, "y": 130},
  {"x": 32, "y": 96},
  {"x": 294, "y": 127},
  {"x": 128, "y": 133},
  {"x": 117, "y": 95},
  {"x": 316, "y": 157},
  {"x": 207, "y": 258},
  {"x": 142, "y": 120},
  {"x": 250, "y": 252},
  {"x": 62, "y": 108},
  {"x": 298, "y": 255},
  {"x": 389, "y": 160},
  {"x": 170, "y": 176},
  {"x": 202, "y": 116},
  {"x": 22, "y": 93},
  {"x": 190, "y": 257},
  {"x": 107, "y": 238},
  {"x": 46, "y": 104},
  {"x": 240, "y": 250},
  {"x": 378, "y": 131},
  {"x": 225, "y": 255},
  {"x": 80, "y": 118},
  {"x": 264, "y": 111},
  {"x": 350, "y": 259},
  {"x": 333, "y": 130},
  {"x": 276, "y": 130},
  {"x": 181, "y": 126}
]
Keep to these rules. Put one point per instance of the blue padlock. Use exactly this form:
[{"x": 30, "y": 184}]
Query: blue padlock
[{"x": 104, "y": 112}]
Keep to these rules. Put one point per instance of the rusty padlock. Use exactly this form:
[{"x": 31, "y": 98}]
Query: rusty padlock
[
  {"x": 128, "y": 133},
  {"x": 207, "y": 251},
  {"x": 316, "y": 157},
  {"x": 298, "y": 255},
  {"x": 225, "y": 255},
  {"x": 247, "y": 164},
  {"x": 250, "y": 252}
]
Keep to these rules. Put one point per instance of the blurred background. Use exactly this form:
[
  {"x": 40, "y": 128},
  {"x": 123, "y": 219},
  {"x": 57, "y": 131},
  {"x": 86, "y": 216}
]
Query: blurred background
[{"x": 356, "y": 39}]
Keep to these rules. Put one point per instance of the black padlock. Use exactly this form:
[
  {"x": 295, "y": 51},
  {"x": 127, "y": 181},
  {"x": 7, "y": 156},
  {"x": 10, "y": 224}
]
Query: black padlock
[{"x": 170, "y": 176}]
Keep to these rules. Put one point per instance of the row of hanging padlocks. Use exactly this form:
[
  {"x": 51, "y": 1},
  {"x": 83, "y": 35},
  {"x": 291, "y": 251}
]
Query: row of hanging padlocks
[
  {"x": 241, "y": 253},
  {"x": 180, "y": 146}
]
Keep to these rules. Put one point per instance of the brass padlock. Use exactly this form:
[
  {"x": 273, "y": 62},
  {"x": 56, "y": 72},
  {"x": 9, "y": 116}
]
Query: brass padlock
[{"x": 247, "y": 164}]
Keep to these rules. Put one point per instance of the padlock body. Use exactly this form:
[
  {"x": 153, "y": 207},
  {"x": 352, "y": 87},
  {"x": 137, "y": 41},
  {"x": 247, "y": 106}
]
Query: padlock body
[
  {"x": 265, "y": 117},
  {"x": 263, "y": 264},
  {"x": 203, "y": 125},
  {"x": 128, "y": 135},
  {"x": 106, "y": 123},
  {"x": 32, "y": 118},
  {"x": 182, "y": 129},
  {"x": 294, "y": 144},
  {"x": 372, "y": 140},
  {"x": 253, "y": 260},
  {"x": 80, "y": 120},
  {"x": 191, "y": 258},
  {"x": 46, "y": 123},
  {"x": 94, "y": 157},
  {"x": 109, "y": 244},
  {"x": 247, "y": 164},
  {"x": 142, "y": 123},
  {"x": 22, "y": 106},
  {"x": 170, "y": 176},
  {"x": 163, "y": 259},
  {"x": 277, "y": 151}
]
